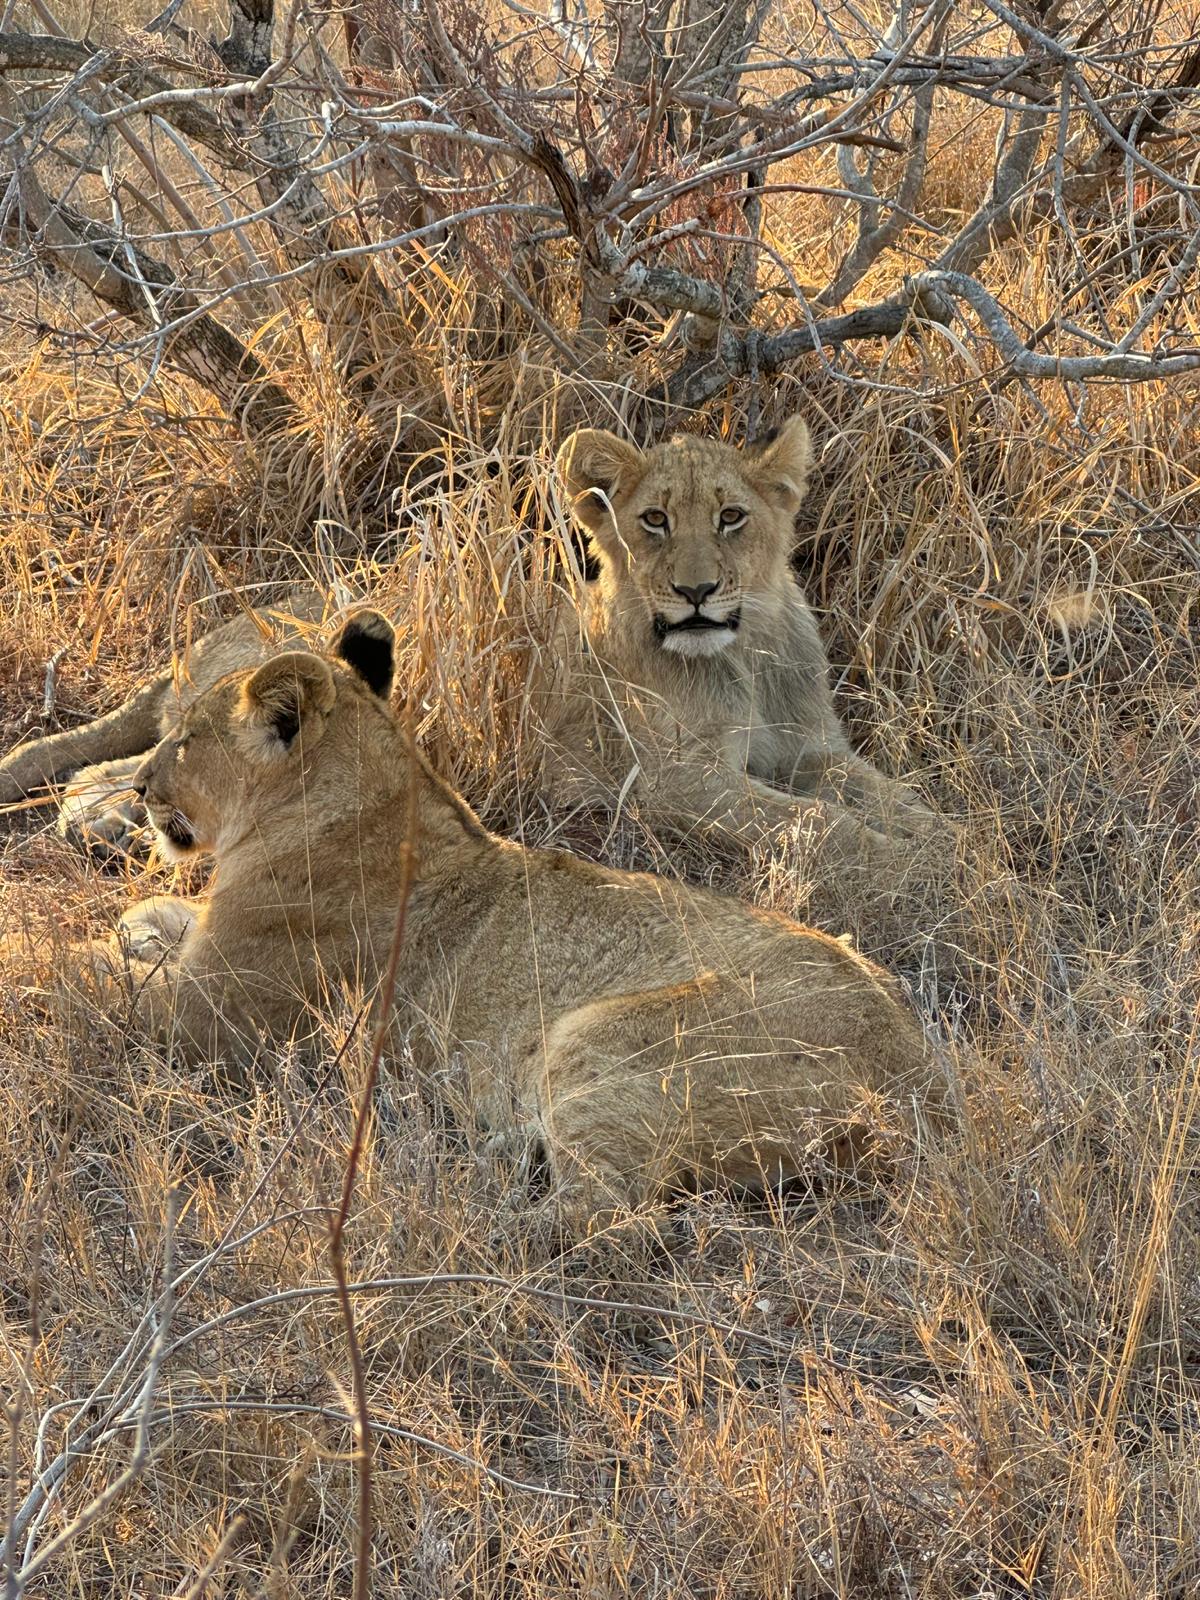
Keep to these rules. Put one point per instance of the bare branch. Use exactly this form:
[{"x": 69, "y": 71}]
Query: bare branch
[
  {"x": 999, "y": 215},
  {"x": 648, "y": 139},
  {"x": 1025, "y": 363},
  {"x": 23, "y": 52},
  {"x": 149, "y": 294},
  {"x": 138, "y": 1416},
  {"x": 875, "y": 235},
  {"x": 926, "y": 299},
  {"x": 340, "y": 1217},
  {"x": 309, "y": 230}
]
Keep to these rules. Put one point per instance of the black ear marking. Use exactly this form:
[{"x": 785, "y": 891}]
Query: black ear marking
[
  {"x": 287, "y": 695},
  {"x": 373, "y": 661},
  {"x": 286, "y": 723},
  {"x": 367, "y": 644}
]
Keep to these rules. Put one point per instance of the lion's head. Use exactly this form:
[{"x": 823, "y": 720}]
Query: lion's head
[
  {"x": 243, "y": 749},
  {"x": 693, "y": 536}
]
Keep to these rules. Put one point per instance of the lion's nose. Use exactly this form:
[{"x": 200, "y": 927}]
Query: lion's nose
[
  {"x": 139, "y": 787},
  {"x": 697, "y": 593}
]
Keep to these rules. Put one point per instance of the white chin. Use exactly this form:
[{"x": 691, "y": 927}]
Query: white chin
[
  {"x": 699, "y": 641},
  {"x": 170, "y": 851}
]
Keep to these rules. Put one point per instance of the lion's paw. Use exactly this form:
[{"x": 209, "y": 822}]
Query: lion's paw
[
  {"x": 153, "y": 929},
  {"x": 101, "y": 816}
]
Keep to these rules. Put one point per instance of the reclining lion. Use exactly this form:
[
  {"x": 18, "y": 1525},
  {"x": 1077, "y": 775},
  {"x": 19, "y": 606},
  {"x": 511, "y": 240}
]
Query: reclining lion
[
  {"x": 643, "y": 1030},
  {"x": 692, "y": 679},
  {"x": 98, "y": 809}
]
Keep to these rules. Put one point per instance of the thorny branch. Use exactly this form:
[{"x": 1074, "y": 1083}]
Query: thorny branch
[{"x": 613, "y": 173}]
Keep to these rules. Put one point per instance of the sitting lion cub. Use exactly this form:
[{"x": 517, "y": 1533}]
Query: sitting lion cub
[
  {"x": 644, "y": 1031},
  {"x": 702, "y": 678}
]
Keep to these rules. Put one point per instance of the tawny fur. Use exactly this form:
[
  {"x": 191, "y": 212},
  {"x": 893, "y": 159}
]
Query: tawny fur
[
  {"x": 97, "y": 809},
  {"x": 643, "y": 1030}
]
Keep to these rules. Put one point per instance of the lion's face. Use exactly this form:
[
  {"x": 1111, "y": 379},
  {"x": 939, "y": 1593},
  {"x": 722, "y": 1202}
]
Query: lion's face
[
  {"x": 242, "y": 745},
  {"x": 195, "y": 775},
  {"x": 693, "y": 536}
]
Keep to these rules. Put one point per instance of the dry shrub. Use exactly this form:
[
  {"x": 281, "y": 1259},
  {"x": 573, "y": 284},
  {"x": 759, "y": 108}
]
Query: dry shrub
[{"x": 982, "y": 1382}]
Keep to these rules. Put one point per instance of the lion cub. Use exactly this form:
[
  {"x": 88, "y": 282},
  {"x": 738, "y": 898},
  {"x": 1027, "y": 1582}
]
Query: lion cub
[
  {"x": 646, "y": 1032},
  {"x": 703, "y": 680}
]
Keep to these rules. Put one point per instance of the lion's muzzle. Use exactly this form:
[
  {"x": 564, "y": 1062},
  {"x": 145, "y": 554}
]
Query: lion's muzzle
[{"x": 698, "y": 633}]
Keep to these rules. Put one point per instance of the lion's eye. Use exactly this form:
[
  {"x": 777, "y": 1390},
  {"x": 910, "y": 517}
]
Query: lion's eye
[
  {"x": 731, "y": 517},
  {"x": 655, "y": 521}
]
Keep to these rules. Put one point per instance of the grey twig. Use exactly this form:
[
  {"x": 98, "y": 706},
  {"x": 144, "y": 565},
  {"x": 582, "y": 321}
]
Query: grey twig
[
  {"x": 50, "y": 686},
  {"x": 138, "y": 1416}
]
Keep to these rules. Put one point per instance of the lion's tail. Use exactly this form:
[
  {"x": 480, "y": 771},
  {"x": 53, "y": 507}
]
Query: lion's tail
[{"x": 126, "y": 731}]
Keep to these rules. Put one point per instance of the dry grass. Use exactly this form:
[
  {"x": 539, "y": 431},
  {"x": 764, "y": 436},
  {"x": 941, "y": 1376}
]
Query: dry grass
[{"x": 985, "y": 1382}]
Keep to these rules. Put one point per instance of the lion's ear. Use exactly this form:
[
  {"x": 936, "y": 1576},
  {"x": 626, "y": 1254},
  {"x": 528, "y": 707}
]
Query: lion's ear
[
  {"x": 782, "y": 463},
  {"x": 289, "y": 695},
  {"x": 592, "y": 465},
  {"x": 367, "y": 644}
]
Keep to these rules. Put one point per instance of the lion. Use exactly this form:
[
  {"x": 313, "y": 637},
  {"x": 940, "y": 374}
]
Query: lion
[
  {"x": 98, "y": 809},
  {"x": 690, "y": 681},
  {"x": 646, "y": 1034},
  {"x": 701, "y": 664}
]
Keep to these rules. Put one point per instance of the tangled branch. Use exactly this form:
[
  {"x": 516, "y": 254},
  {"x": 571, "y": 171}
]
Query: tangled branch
[{"x": 610, "y": 177}]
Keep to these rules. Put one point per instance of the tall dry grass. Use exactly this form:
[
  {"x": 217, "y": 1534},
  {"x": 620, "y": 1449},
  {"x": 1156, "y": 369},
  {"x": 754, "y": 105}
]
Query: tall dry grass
[{"x": 984, "y": 1382}]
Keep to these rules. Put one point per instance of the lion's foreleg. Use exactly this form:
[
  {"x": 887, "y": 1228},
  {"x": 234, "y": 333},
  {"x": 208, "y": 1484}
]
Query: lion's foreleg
[
  {"x": 157, "y": 926},
  {"x": 889, "y": 806}
]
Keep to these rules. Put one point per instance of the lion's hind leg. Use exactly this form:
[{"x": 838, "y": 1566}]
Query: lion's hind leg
[{"x": 650, "y": 1093}]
